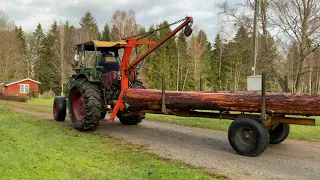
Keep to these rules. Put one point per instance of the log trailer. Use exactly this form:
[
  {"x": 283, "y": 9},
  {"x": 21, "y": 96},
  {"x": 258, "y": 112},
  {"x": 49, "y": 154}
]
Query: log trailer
[{"x": 259, "y": 118}]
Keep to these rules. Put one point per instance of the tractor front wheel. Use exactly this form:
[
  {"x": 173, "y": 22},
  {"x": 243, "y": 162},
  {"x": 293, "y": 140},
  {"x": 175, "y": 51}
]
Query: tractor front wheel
[
  {"x": 59, "y": 108},
  {"x": 248, "y": 136},
  {"x": 86, "y": 105},
  {"x": 131, "y": 118}
]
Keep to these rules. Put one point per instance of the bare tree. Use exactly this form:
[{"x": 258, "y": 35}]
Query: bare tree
[
  {"x": 123, "y": 25},
  {"x": 64, "y": 53},
  {"x": 5, "y": 23},
  {"x": 11, "y": 64},
  {"x": 197, "y": 46},
  {"x": 298, "y": 20},
  {"x": 30, "y": 55}
]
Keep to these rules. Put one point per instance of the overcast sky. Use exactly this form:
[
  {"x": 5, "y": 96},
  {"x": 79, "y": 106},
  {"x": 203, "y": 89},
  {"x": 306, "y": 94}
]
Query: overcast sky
[{"x": 28, "y": 13}]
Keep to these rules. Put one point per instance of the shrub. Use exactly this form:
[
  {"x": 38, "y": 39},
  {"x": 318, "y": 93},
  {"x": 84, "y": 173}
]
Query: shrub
[
  {"x": 47, "y": 95},
  {"x": 32, "y": 94},
  {"x": 14, "y": 98}
]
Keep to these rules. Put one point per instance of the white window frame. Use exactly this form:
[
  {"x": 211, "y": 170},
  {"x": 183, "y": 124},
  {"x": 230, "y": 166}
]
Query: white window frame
[{"x": 24, "y": 88}]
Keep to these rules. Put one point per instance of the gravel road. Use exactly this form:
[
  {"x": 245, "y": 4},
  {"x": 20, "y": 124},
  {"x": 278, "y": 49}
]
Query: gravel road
[{"x": 209, "y": 148}]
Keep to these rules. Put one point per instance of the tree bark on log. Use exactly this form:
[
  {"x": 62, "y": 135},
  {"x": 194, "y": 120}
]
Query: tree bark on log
[{"x": 276, "y": 103}]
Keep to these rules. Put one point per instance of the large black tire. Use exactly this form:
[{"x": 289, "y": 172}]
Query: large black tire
[
  {"x": 132, "y": 118},
  {"x": 248, "y": 136},
  {"x": 104, "y": 113},
  {"x": 279, "y": 134},
  {"x": 59, "y": 108},
  {"x": 86, "y": 105}
]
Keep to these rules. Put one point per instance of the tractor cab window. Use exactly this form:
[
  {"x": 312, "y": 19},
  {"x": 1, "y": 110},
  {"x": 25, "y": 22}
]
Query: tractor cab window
[
  {"x": 79, "y": 58},
  {"x": 90, "y": 58}
]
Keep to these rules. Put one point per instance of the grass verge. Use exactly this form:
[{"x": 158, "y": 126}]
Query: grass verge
[
  {"x": 27, "y": 106},
  {"x": 32, "y": 148},
  {"x": 40, "y": 102}
]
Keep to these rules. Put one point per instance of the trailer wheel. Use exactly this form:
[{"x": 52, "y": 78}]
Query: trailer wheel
[
  {"x": 248, "y": 136},
  {"x": 59, "y": 108},
  {"x": 279, "y": 134},
  {"x": 86, "y": 105}
]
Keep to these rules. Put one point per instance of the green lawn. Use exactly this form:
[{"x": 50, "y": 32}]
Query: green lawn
[
  {"x": 40, "y": 102},
  {"x": 32, "y": 148},
  {"x": 297, "y": 131},
  {"x": 309, "y": 133}
]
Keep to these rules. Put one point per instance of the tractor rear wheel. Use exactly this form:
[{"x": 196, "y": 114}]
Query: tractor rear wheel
[
  {"x": 59, "y": 108},
  {"x": 279, "y": 134},
  {"x": 86, "y": 105},
  {"x": 248, "y": 136}
]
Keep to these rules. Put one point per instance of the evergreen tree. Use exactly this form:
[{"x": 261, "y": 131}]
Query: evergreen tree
[
  {"x": 21, "y": 37},
  {"x": 48, "y": 78},
  {"x": 239, "y": 56},
  {"x": 88, "y": 22},
  {"x": 267, "y": 54},
  {"x": 38, "y": 35},
  {"x": 23, "y": 50},
  {"x": 105, "y": 35},
  {"x": 162, "y": 62},
  {"x": 152, "y": 70},
  {"x": 217, "y": 66},
  {"x": 184, "y": 65},
  {"x": 168, "y": 57},
  {"x": 89, "y": 32},
  {"x": 210, "y": 75}
]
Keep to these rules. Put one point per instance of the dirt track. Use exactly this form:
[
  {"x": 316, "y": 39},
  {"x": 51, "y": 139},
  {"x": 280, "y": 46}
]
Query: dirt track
[{"x": 208, "y": 148}]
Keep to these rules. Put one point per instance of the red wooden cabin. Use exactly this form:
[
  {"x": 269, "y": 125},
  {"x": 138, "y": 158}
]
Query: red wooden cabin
[{"x": 20, "y": 87}]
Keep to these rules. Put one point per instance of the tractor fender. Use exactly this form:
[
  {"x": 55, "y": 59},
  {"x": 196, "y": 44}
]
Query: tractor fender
[
  {"x": 82, "y": 76},
  {"x": 86, "y": 77},
  {"x": 74, "y": 78}
]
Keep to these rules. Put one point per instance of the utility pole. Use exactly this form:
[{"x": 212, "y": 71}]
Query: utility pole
[{"x": 255, "y": 36}]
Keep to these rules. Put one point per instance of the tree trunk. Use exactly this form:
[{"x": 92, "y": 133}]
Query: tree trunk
[
  {"x": 280, "y": 103},
  {"x": 185, "y": 79},
  {"x": 220, "y": 64},
  {"x": 298, "y": 78},
  {"x": 178, "y": 71},
  {"x": 62, "y": 49},
  {"x": 310, "y": 81},
  {"x": 304, "y": 40}
]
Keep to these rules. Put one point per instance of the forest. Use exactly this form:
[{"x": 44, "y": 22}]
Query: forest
[{"x": 288, "y": 41}]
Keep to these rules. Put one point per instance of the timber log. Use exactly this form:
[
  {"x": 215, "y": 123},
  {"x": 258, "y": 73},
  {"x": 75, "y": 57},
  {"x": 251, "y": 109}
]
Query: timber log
[{"x": 276, "y": 103}]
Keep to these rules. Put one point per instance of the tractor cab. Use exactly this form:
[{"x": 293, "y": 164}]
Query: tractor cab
[{"x": 89, "y": 54}]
